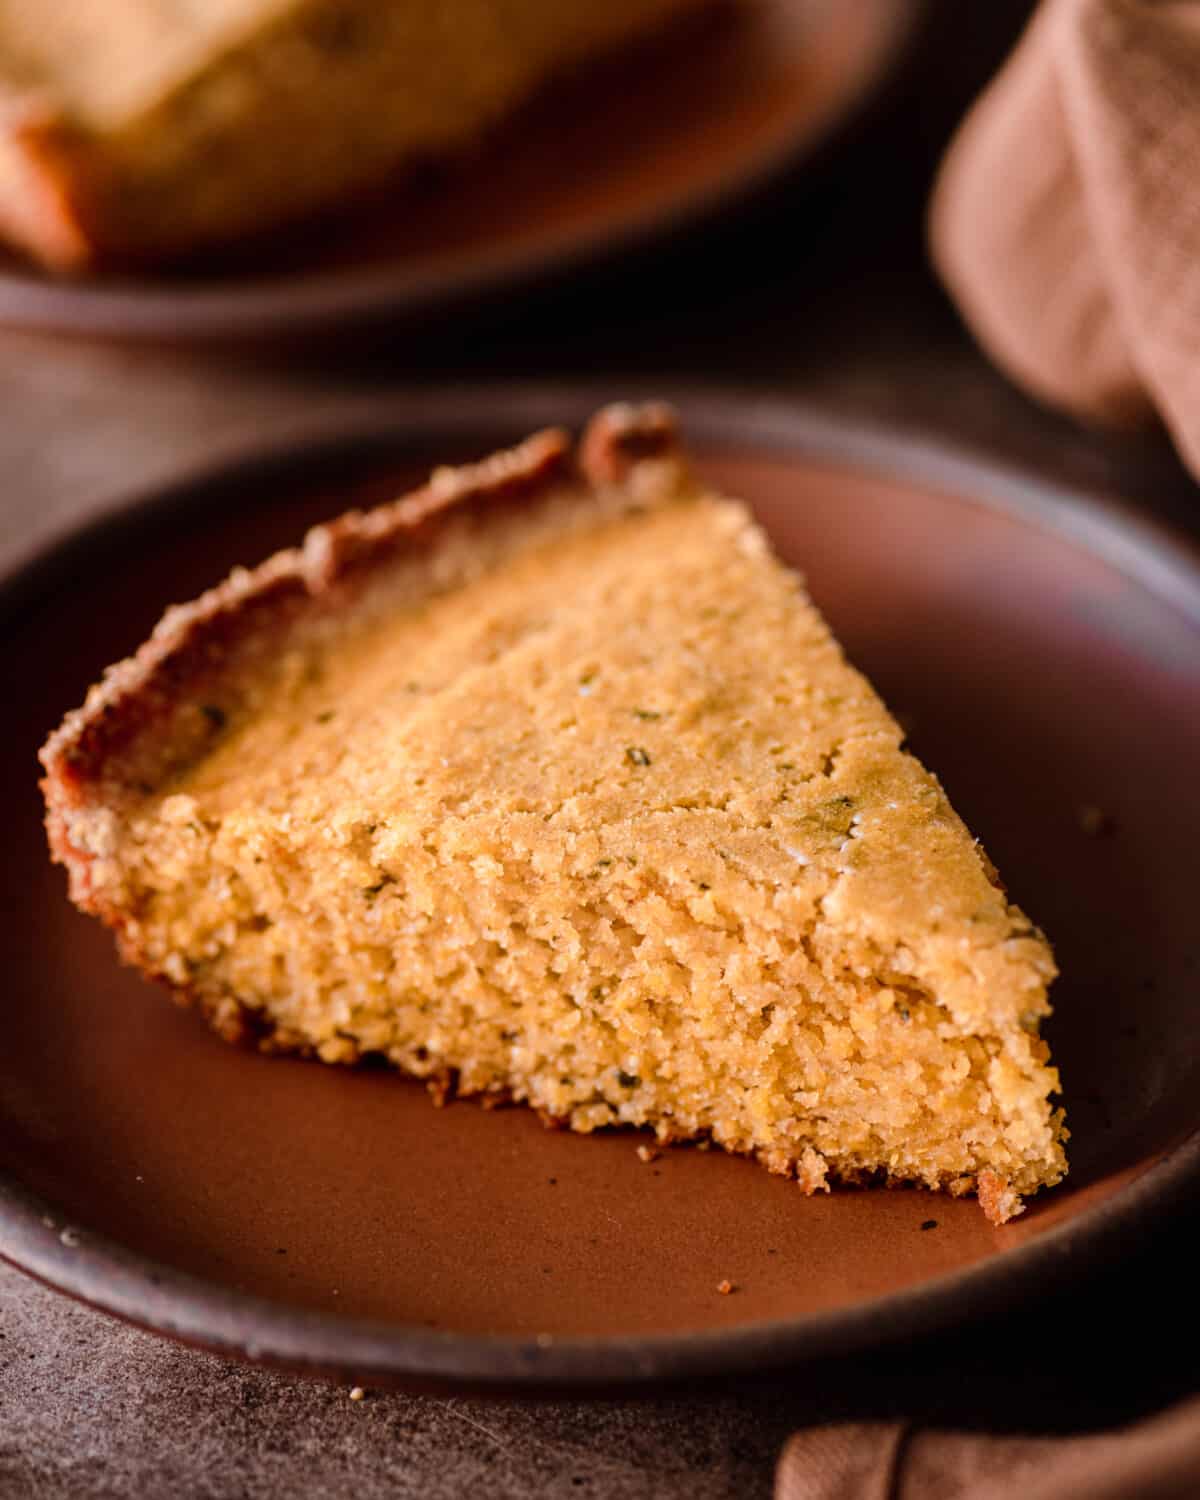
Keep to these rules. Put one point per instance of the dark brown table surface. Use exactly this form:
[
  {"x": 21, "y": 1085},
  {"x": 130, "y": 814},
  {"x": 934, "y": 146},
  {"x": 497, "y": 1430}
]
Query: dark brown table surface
[{"x": 820, "y": 292}]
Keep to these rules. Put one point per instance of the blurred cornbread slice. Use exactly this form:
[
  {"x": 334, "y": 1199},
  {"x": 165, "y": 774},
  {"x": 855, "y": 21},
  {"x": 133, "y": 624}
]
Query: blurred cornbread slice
[
  {"x": 548, "y": 782},
  {"x": 142, "y": 129}
]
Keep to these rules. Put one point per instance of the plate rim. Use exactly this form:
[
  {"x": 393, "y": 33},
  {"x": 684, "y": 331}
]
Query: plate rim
[
  {"x": 265, "y": 308},
  {"x": 107, "y": 1276}
]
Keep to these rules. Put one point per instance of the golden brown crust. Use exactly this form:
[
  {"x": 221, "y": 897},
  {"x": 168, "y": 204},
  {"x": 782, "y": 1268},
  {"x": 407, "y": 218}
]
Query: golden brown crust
[
  {"x": 191, "y": 646},
  {"x": 620, "y": 435},
  {"x": 192, "y": 641}
]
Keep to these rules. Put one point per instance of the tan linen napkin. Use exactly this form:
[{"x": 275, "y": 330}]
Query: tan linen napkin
[
  {"x": 1066, "y": 218},
  {"x": 1156, "y": 1460}
]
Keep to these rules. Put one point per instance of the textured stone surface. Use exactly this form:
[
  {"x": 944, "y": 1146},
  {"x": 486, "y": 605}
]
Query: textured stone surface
[{"x": 91, "y": 1408}]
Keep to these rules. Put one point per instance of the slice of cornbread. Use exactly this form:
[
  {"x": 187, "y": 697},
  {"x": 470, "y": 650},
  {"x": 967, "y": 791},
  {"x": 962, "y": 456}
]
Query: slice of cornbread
[
  {"x": 134, "y": 130},
  {"x": 549, "y": 782}
]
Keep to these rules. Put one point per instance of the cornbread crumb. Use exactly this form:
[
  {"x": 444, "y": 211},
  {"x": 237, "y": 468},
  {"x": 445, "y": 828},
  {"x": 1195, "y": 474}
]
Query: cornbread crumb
[
  {"x": 357, "y": 1393},
  {"x": 997, "y": 1199},
  {"x": 725, "y": 1287},
  {"x": 812, "y": 1172},
  {"x": 758, "y": 923},
  {"x": 648, "y": 1153}
]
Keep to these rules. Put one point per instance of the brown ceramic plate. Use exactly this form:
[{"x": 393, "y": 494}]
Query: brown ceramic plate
[
  {"x": 631, "y": 149},
  {"x": 1047, "y": 651}
]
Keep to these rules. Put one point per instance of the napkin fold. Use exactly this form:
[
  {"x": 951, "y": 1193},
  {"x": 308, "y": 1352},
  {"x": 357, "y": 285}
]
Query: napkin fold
[
  {"x": 1156, "y": 1460},
  {"x": 1065, "y": 220}
]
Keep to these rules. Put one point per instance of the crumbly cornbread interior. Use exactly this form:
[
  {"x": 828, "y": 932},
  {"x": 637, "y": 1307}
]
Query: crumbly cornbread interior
[{"x": 609, "y": 824}]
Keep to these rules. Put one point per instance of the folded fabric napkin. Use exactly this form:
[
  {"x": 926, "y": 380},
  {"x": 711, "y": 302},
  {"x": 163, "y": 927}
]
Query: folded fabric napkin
[
  {"x": 1156, "y": 1460},
  {"x": 1066, "y": 218}
]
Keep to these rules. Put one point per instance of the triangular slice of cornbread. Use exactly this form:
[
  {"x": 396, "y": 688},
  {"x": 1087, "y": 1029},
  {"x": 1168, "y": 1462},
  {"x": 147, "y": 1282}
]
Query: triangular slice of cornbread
[{"x": 549, "y": 782}]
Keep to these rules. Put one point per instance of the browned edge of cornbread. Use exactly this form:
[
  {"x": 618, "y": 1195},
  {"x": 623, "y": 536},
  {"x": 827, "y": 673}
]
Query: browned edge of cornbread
[{"x": 191, "y": 646}]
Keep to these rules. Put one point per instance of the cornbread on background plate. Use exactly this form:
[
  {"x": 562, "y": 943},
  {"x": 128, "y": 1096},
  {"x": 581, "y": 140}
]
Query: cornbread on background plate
[
  {"x": 548, "y": 782},
  {"x": 137, "y": 130}
]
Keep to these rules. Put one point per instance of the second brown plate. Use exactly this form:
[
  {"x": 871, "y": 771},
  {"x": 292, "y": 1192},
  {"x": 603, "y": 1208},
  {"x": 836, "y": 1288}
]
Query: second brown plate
[
  {"x": 631, "y": 149},
  {"x": 1047, "y": 653}
]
